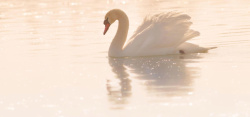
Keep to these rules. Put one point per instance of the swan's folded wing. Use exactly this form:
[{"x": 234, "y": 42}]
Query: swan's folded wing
[
  {"x": 173, "y": 29},
  {"x": 163, "y": 30},
  {"x": 145, "y": 24}
]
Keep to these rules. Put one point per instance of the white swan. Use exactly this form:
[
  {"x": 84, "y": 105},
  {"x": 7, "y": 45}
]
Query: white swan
[{"x": 160, "y": 34}]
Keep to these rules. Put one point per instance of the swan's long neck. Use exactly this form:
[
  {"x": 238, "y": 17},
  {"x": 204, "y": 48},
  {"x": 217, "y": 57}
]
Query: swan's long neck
[{"x": 116, "y": 47}]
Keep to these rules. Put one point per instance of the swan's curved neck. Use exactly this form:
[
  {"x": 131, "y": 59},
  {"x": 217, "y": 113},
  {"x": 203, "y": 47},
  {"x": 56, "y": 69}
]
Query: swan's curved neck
[{"x": 116, "y": 47}]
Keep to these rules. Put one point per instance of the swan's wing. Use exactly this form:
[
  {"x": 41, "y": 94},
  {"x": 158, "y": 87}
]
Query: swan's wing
[
  {"x": 146, "y": 23},
  {"x": 163, "y": 30}
]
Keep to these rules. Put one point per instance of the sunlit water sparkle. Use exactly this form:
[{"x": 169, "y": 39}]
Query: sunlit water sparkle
[{"x": 54, "y": 62}]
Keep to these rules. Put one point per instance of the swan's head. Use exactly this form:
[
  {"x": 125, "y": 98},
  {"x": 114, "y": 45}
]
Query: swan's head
[{"x": 109, "y": 19}]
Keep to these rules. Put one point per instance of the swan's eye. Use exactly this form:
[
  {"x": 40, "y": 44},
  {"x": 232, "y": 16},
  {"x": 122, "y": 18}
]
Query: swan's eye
[{"x": 106, "y": 21}]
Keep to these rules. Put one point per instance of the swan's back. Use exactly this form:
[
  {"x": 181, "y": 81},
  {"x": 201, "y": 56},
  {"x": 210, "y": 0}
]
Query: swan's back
[{"x": 163, "y": 33}]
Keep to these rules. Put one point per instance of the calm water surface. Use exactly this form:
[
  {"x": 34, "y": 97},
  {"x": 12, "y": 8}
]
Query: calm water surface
[{"x": 54, "y": 63}]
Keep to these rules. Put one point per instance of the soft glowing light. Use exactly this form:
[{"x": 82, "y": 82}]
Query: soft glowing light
[
  {"x": 38, "y": 16},
  {"x": 59, "y": 21},
  {"x": 54, "y": 61},
  {"x": 123, "y": 2}
]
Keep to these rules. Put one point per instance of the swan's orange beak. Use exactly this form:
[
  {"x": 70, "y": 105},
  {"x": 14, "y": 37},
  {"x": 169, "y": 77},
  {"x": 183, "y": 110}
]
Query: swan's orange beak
[{"x": 107, "y": 24}]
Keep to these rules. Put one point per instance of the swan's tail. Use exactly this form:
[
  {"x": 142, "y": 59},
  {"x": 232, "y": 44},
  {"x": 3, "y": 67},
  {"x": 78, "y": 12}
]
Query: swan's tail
[{"x": 209, "y": 48}]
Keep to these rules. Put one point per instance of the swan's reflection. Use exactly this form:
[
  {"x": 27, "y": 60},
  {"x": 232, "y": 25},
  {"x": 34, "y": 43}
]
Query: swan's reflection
[{"x": 162, "y": 76}]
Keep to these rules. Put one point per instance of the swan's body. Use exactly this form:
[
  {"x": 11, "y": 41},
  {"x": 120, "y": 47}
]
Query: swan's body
[{"x": 160, "y": 34}]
